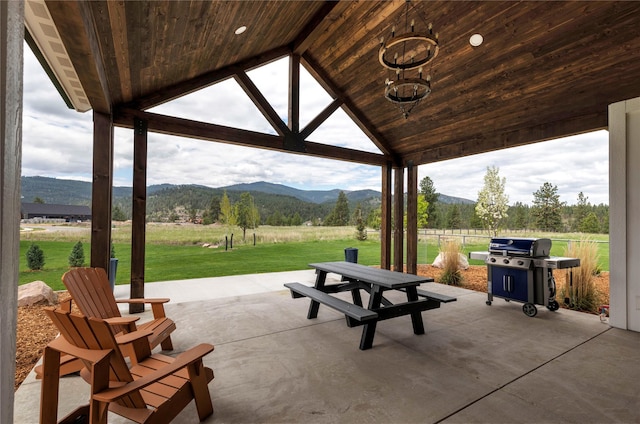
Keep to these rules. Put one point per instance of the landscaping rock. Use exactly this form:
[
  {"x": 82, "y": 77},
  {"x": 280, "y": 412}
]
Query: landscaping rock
[{"x": 36, "y": 293}]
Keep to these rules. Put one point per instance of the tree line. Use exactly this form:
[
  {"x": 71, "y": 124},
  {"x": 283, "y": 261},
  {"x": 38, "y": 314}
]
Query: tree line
[{"x": 490, "y": 212}]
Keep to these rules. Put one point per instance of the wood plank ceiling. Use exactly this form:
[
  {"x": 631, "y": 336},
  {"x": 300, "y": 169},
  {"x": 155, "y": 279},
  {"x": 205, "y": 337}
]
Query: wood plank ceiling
[{"x": 545, "y": 70}]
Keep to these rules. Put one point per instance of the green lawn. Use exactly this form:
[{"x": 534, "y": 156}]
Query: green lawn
[{"x": 173, "y": 261}]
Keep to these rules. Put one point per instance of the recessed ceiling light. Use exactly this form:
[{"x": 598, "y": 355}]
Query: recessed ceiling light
[
  {"x": 475, "y": 40},
  {"x": 240, "y": 30}
]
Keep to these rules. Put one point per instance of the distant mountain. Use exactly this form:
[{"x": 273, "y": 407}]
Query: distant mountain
[
  {"x": 167, "y": 196},
  {"x": 314, "y": 196}
]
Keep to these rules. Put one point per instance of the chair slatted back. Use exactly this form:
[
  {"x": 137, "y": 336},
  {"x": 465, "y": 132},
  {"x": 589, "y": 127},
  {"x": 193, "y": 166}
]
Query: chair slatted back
[
  {"x": 95, "y": 334},
  {"x": 91, "y": 291}
]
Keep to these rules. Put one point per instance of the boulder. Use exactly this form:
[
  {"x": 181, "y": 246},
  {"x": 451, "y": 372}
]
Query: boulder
[
  {"x": 36, "y": 293},
  {"x": 463, "y": 263}
]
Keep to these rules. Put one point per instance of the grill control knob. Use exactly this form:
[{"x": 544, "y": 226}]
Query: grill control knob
[
  {"x": 506, "y": 261},
  {"x": 492, "y": 259},
  {"x": 520, "y": 263}
]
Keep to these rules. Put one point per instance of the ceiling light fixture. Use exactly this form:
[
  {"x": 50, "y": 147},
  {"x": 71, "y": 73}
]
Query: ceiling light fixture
[
  {"x": 404, "y": 56},
  {"x": 240, "y": 30},
  {"x": 476, "y": 39}
]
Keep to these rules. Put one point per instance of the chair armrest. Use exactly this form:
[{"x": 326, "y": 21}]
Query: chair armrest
[
  {"x": 140, "y": 300},
  {"x": 183, "y": 360},
  {"x": 132, "y": 336},
  {"x": 157, "y": 305}
]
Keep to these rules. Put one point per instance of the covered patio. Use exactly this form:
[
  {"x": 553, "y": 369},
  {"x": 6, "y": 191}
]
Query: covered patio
[
  {"x": 546, "y": 70},
  {"x": 475, "y": 363}
]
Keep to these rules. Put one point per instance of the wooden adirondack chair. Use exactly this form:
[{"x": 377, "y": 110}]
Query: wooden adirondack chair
[
  {"x": 154, "y": 389},
  {"x": 91, "y": 291}
]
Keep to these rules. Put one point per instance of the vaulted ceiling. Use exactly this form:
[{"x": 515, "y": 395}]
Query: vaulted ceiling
[{"x": 545, "y": 70}]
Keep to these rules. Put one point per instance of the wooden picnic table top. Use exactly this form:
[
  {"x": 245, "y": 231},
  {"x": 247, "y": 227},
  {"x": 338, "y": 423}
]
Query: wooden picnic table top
[{"x": 381, "y": 277}]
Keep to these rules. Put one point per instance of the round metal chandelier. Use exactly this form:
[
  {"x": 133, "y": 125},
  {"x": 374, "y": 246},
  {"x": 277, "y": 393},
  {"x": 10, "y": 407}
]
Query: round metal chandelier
[{"x": 405, "y": 55}]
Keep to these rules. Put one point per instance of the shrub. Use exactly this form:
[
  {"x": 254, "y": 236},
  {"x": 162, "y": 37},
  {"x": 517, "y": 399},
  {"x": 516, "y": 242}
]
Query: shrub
[
  {"x": 451, "y": 275},
  {"x": 76, "y": 258},
  {"x": 579, "y": 291},
  {"x": 112, "y": 254},
  {"x": 35, "y": 257}
]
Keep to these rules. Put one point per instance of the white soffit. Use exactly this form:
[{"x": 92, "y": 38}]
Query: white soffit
[{"x": 45, "y": 34}]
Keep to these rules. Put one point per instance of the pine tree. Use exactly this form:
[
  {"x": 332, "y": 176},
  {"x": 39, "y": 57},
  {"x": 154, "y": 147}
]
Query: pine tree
[
  {"x": 546, "y": 208},
  {"x": 35, "y": 257},
  {"x": 453, "y": 220},
  {"x": 428, "y": 191},
  {"x": 340, "y": 214},
  {"x": 76, "y": 258},
  {"x": 361, "y": 228}
]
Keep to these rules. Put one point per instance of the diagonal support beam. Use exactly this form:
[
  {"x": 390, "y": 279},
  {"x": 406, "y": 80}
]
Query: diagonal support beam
[{"x": 261, "y": 103}]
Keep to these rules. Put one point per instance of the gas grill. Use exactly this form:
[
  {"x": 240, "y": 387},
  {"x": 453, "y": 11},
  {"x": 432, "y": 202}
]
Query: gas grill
[{"x": 521, "y": 269}]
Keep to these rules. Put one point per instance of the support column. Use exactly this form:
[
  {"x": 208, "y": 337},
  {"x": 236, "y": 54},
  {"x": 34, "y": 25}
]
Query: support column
[
  {"x": 294, "y": 93},
  {"x": 101, "y": 190},
  {"x": 385, "y": 219},
  {"x": 624, "y": 201},
  {"x": 398, "y": 218},
  {"x": 11, "y": 60},
  {"x": 412, "y": 219},
  {"x": 139, "y": 213}
]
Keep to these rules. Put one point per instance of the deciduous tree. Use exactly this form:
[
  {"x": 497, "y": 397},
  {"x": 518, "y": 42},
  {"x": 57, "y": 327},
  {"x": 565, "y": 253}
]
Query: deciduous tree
[
  {"x": 246, "y": 214},
  {"x": 492, "y": 202}
]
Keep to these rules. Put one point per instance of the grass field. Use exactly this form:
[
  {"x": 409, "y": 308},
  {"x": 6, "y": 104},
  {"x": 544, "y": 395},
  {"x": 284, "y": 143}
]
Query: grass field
[{"x": 175, "y": 251}]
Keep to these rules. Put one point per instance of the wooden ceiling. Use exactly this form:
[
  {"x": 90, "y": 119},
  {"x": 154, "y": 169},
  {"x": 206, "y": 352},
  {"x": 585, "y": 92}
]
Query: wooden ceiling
[{"x": 545, "y": 69}]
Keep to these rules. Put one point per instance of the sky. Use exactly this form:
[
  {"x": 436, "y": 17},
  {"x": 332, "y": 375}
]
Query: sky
[{"x": 57, "y": 142}]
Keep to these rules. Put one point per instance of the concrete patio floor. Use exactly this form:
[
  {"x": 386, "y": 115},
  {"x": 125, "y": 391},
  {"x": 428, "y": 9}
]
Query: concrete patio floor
[{"x": 475, "y": 364}]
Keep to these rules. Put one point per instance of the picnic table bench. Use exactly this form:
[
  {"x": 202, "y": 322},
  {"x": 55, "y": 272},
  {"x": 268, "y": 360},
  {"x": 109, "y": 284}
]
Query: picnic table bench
[{"x": 375, "y": 281}]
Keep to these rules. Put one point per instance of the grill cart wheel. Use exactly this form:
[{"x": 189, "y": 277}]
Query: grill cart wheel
[
  {"x": 529, "y": 309},
  {"x": 488, "y": 302},
  {"x": 553, "y": 306}
]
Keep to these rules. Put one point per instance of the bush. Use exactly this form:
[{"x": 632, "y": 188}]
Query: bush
[
  {"x": 579, "y": 292},
  {"x": 451, "y": 274},
  {"x": 35, "y": 257},
  {"x": 76, "y": 258}
]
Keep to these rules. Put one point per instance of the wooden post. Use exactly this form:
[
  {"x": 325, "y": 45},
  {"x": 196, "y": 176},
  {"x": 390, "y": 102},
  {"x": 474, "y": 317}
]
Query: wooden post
[
  {"x": 11, "y": 58},
  {"x": 385, "y": 223},
  {"x": 412, "y": 219},
  {"x": 139, "y": 212},
  {"x": 101, "y": 190},
  {"x": 294, "y": 93},
  {"x": 398, "y": 218}
]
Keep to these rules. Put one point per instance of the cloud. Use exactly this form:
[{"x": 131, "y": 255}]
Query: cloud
[{"x": 57, "y": 142}]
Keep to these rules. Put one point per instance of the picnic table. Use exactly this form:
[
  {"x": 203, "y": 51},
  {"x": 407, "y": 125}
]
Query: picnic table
[{"x": 375, "y": 282}]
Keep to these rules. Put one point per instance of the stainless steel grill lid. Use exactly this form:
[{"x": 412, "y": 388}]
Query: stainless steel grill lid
[{"x": 513, "y": 246}]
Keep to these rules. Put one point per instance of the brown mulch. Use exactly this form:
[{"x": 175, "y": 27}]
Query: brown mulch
[{"x": 35, "y": 330}]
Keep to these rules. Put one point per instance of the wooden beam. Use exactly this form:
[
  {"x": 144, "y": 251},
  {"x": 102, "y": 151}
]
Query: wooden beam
[
  {"x": 356, "y": 115},
  {"x": 412, "y": 219},
  {"x": 318, "y": 120},
  {"x": 139, "y": 211},
  {"x": 294, "y": 93},
  {"x": 398, "y": 215},
  {"x": 385, "y": 218},
  {"x": 11, "y": 71},
  {"x": 200, "y": 130},
  {"x": 205, "y": 80},
  {"x": 101, "y": 190},
  {"x": 313, "y": 29},
  {"x": 504, "y": 139},
  {"x": 261, "y": 103}
]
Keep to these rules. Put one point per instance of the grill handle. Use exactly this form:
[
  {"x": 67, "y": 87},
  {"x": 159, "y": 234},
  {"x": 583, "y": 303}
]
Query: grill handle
[{"x": 507, "y": 283}]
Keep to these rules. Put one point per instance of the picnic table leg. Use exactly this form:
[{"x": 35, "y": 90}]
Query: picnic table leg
[
  {"x": 321, "y": 276},
  {"x": 416, "y": 317},
  {"x": 369, "y": 329}
]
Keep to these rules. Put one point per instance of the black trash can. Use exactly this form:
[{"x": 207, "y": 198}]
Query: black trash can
[{"x": 351, "y": 255}]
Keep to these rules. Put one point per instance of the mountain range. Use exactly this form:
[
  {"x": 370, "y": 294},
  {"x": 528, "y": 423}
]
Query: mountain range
[{"x": 74, "y": 192}]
